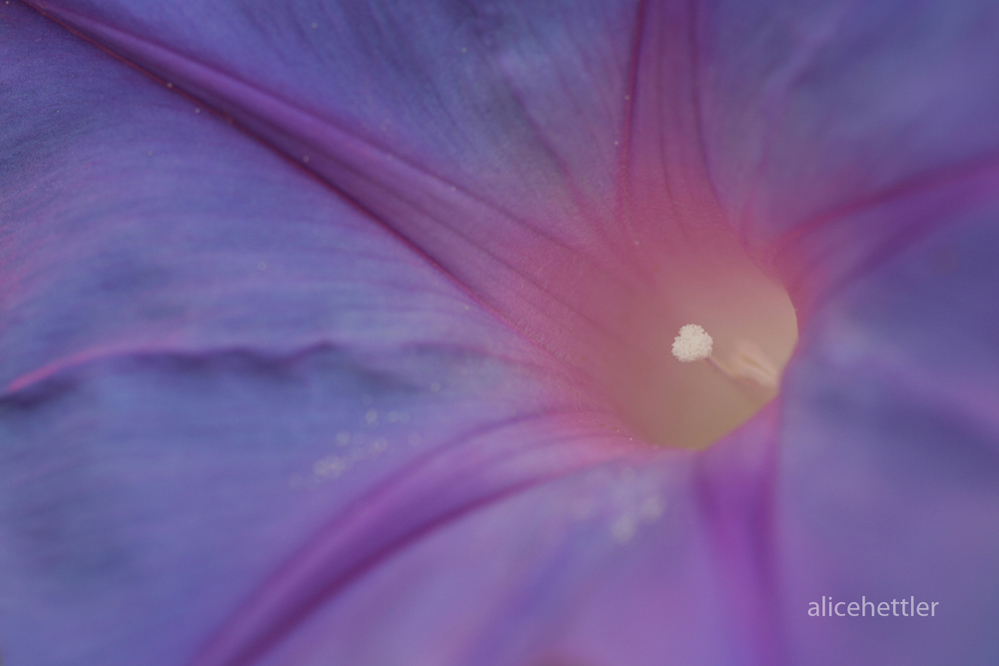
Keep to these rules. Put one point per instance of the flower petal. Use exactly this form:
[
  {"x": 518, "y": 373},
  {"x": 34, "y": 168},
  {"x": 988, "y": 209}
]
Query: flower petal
[
  {"x": 813, "y": 111},
  {"x": 853, "y": 144},
  {"x": 890, "y": 470},
  {"x": 506, "y": 141},
  {"x": 844, "y": 457},
  {"x": 210, "y": 362}
]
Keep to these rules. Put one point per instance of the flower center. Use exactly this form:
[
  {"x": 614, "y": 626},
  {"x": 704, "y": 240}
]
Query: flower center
[{"x": 709, "y": 346}]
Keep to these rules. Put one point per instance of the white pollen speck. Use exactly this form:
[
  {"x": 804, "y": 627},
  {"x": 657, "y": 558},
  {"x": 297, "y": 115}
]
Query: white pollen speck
[
  {"x": 169, "y": 85},
  {"x": 305, "y": 158},
  {"x": 332, "y": 466},
  {"x": 149, "y": 152},
  {"x": 371, "y": 416},
  {"x": 624, "y": 529},
  {"x": 197, "y": 110},
  {"x": 314, "y": 25},
  {"x": 464, "y": 50},
  {"x": 693, "y": 344},
  {"x": 652, "y": 508}
]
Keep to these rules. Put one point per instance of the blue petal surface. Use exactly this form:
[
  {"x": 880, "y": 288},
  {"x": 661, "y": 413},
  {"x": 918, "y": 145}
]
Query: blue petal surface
[
  {"x": 856, "y": 151},
  {"x": 525, "y": 151},
  {"x": 210, "y": 361}
]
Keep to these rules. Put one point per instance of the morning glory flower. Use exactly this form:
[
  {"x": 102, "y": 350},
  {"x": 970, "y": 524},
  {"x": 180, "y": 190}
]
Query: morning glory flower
[{"x": 341, "y": 332}]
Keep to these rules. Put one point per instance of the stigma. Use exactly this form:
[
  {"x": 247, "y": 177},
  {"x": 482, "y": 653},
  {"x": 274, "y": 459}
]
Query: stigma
[{"x": 746, "y": 364}]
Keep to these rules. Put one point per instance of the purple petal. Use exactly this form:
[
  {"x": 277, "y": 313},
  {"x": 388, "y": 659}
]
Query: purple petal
[
  {"x": 567, "y": 143},
  {"x": 494, "y": 138},
  {"x": 855, "y": 149},
  {"x": 889, "y": 466},
  {"x": 207, "y": 358},
  {"x": 816, "y": 111}
]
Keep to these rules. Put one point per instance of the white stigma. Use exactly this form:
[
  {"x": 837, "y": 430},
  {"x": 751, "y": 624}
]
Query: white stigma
[{"x": 693, "y": 344}]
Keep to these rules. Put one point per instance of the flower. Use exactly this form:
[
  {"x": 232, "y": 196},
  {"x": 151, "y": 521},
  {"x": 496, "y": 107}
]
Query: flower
[{"x": 322, "y": 325}]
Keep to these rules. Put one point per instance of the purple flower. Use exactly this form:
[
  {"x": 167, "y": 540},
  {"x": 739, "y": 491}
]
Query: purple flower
[{"x": 335, "y": 333}]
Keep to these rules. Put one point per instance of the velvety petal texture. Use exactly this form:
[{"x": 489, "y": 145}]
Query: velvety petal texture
[
  {"x": 306, "y": 316},
  {"x": 857, "y": 153},
  {"x": 230, "y": 396},
  {"x": 505, "y": 140},
  {"x": 207, "y": 357},
  {"x": 889, "y": 458}
]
